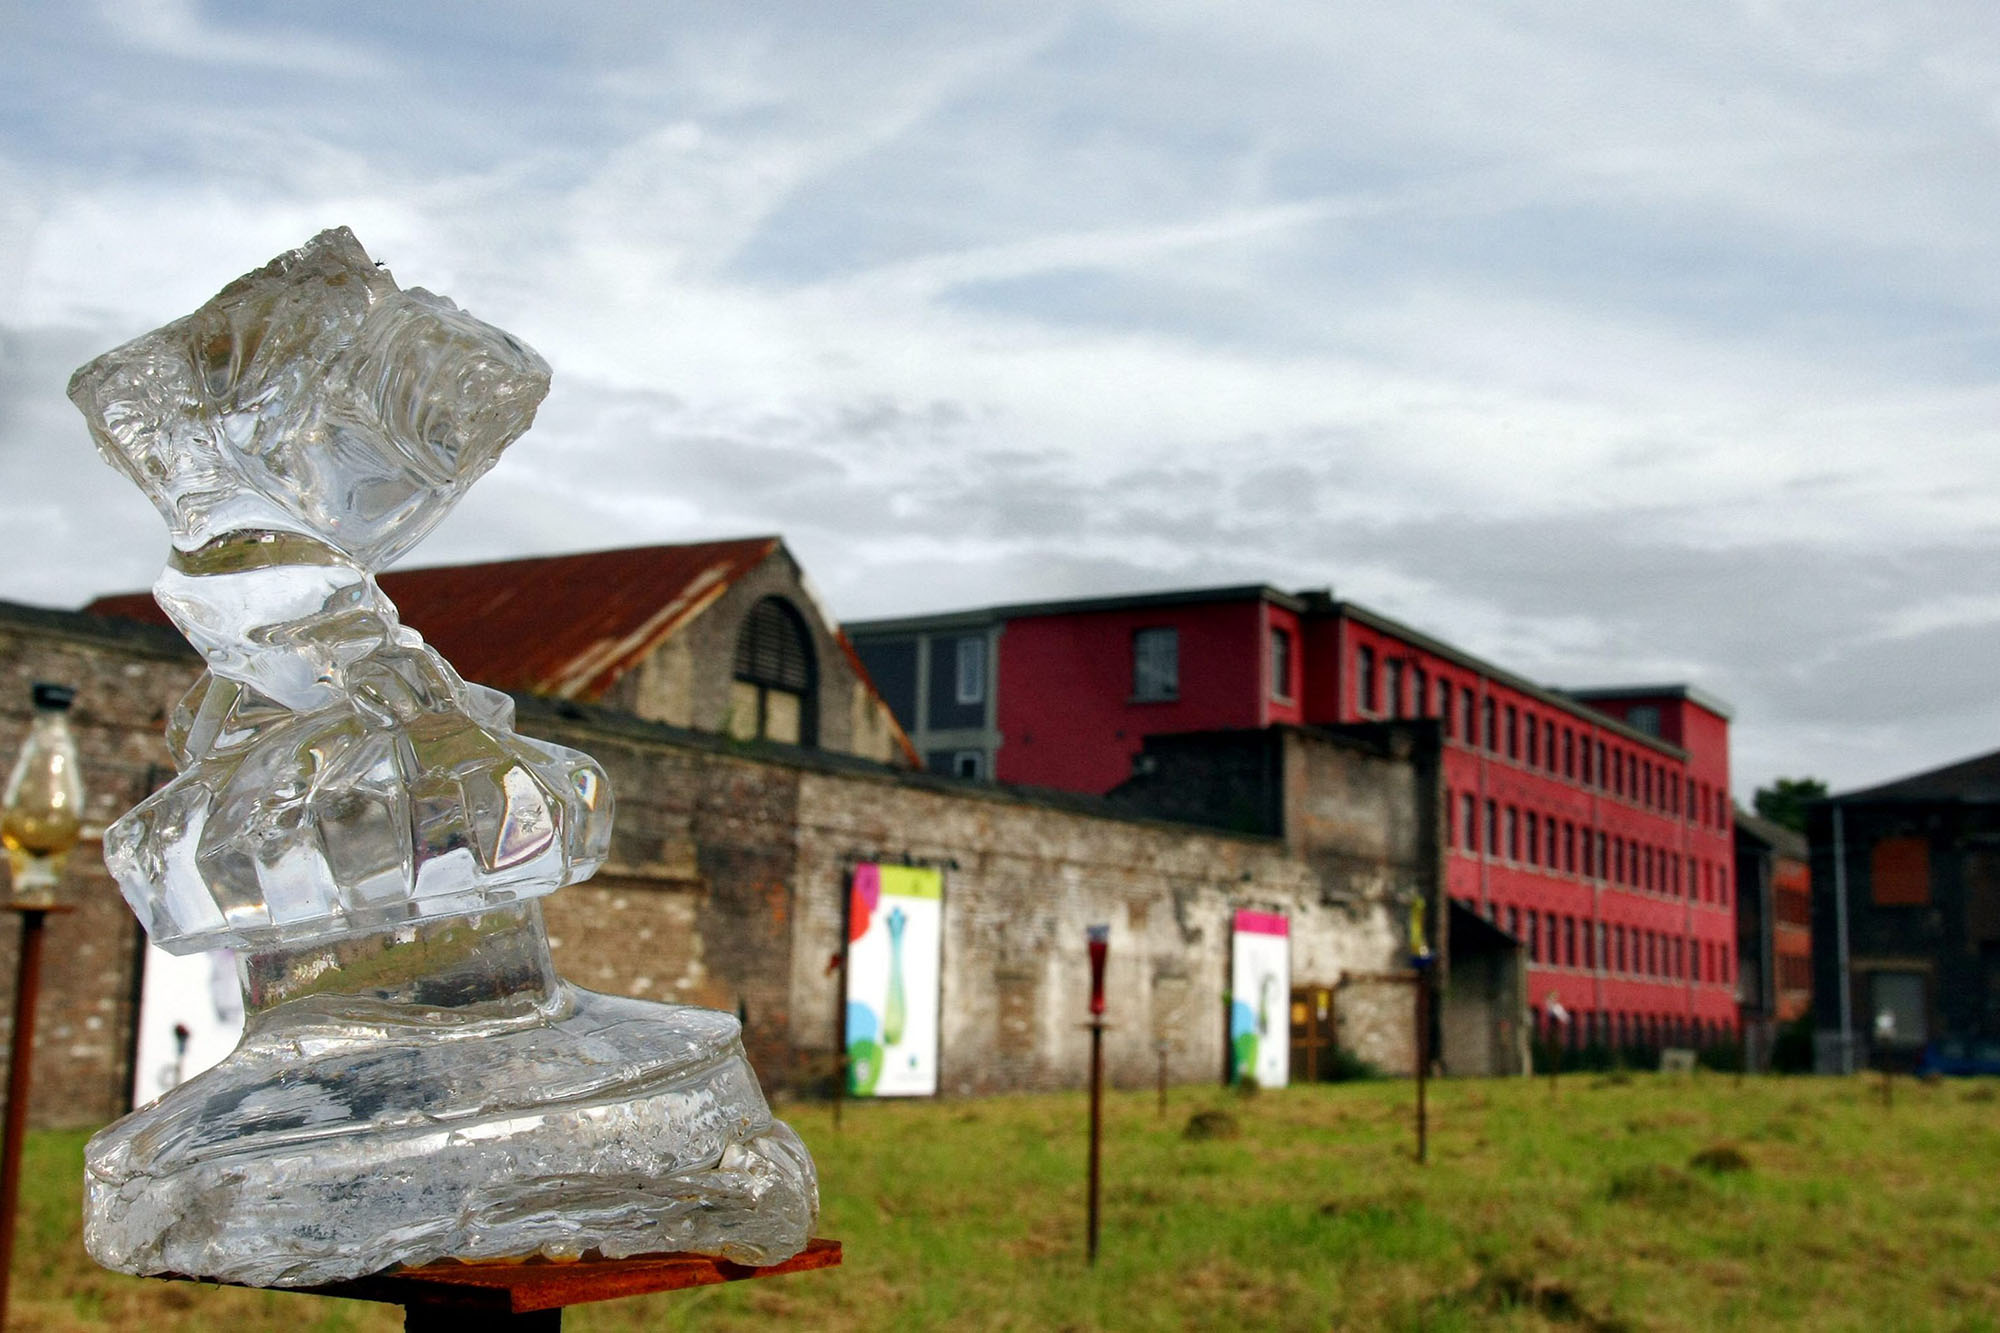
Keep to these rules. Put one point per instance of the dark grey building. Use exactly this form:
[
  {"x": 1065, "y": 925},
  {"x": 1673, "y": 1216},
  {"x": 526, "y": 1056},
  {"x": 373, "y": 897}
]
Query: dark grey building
[
  {"x": 1906, "y": 916},
  {"x": 936, "y": 673}
]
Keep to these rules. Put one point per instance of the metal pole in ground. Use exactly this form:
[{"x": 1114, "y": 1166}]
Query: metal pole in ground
[
  {"x": 41, "y": 813},
  {"x": 1100, "y": 943},
  {"x": 20, "y": 1066},
  {"x": 1421, "y": 962},
  {"x": 1096, "y": 1123},
  {"x": 1558, "y": 1039}
]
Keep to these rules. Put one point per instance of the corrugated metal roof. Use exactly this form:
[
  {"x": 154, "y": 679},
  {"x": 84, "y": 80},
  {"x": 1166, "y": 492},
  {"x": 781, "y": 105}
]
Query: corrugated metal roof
[{"x": 567, "y": 626}]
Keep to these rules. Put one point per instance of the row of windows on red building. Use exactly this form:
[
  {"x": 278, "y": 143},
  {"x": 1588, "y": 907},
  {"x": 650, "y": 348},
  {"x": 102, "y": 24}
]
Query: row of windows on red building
[
  {"x": 1554, "y": 939},
  {"x": 1545, "y": 842},
  {"x": 1558, "y": 748}
]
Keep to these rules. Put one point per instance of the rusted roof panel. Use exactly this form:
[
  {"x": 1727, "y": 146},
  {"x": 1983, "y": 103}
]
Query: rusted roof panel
[{"x": 567, "y": 626}]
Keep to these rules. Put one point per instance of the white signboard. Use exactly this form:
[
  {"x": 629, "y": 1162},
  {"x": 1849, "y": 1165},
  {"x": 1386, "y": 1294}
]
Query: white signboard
[
  {"x": 190, "y": 1016},
  {"x": 895, "y": 953},
  {"x": 1260, "y": 999}
]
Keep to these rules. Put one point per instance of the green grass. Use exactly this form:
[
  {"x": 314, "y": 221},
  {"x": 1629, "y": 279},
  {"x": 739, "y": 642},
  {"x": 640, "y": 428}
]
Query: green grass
[{"x": 1814, "y": 1206}]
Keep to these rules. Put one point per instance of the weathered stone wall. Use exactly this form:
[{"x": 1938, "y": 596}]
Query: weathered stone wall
[
  {"x": 726, "y": 880},
  {"x": 126, "y": 677},
  {"x": 751, "y": 849}
]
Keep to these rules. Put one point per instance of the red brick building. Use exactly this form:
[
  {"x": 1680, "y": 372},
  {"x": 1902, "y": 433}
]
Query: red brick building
[
  {"x": 1594, "y": 826},
  {"x": 1773, "y": 932}
]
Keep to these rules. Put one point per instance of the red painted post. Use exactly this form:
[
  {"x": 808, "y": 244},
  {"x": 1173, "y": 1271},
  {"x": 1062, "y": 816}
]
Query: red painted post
[{"x": 20, "y": 1066}]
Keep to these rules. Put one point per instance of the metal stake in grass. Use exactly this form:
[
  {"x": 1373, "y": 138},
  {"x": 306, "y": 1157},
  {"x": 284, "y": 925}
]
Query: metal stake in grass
[
  {"x": 1421, "y": 959},
  {"x": 1100, "y": 945},
  {"x": 40, "y": 825},
  {"x": 1558, "y": 1029},
  {"x": 1885, "y": 1033}
]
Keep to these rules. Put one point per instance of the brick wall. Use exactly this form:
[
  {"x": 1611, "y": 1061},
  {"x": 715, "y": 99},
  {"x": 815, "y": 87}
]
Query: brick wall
[
  {"x": 126, "y": 678},
  {"x": 726, "y": 877}
]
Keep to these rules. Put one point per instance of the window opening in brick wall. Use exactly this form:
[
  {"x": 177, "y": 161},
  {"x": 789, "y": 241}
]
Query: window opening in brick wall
[{"x": 771, "y": 692}]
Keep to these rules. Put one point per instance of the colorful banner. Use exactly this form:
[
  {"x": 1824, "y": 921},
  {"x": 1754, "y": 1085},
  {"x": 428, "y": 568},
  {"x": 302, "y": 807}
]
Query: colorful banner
[
  {"x": 1260, "y": 999},
  {"x": 895, "y": 955}
]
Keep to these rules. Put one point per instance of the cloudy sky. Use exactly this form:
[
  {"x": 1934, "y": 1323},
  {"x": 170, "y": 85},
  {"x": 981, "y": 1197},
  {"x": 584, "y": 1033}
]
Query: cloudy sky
[{"x": 1611, "y": 342}]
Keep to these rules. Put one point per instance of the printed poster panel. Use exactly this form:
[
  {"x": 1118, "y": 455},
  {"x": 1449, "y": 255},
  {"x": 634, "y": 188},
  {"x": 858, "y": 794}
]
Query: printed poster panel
[
  {"x": 1260, "y": 998},
  {"x": 190, "y": 1016},
  {"x": 895, "y": 952}
]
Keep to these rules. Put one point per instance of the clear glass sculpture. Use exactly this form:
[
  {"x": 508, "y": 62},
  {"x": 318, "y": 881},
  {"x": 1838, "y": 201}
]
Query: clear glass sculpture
[{"x": 367, "y": 830}]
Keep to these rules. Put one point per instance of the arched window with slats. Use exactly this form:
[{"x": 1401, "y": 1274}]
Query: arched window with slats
[{"x": 771, "y": 695}]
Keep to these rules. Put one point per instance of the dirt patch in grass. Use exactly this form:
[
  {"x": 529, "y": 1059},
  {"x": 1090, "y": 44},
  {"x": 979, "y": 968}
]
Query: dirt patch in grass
[
  {"x": 1720, "y": 1159},
  {"x": 1979, "y": 1095},
  {"x": 1553, "y": 1300},
  {"x": 1214, "y": 1124},
  {"x": 1654, "y": 1185},
  {"x": 1653, "y": 1124},
  {"x": 1394, "y": 1204}
]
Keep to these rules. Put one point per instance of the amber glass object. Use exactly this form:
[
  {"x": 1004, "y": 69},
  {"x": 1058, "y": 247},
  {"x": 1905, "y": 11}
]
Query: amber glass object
[{"x": 41, "y": 815}]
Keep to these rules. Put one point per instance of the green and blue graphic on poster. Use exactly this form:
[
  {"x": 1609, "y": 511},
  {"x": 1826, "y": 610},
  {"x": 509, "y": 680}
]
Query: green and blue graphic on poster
[
  {"x": 1260, "y": 999},
  {"x": 895, "y": 950}
]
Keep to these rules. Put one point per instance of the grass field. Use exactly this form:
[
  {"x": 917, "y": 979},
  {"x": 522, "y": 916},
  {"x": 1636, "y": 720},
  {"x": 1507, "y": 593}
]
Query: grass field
[{"x": 1641, "y": 1203}]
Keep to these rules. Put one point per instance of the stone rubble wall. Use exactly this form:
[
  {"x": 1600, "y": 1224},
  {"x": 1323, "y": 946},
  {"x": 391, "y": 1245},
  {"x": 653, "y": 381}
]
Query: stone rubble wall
[{"x": 725, "y": 888}]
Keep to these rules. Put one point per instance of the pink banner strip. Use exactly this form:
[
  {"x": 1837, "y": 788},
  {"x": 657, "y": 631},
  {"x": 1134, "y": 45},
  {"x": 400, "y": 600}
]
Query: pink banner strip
[{"x": 1262, "y": 923}]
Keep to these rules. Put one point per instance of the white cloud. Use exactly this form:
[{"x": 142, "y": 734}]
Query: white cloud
[
  {"x": 178, "y": 30},
  {"x": 1606, "y": 343}
]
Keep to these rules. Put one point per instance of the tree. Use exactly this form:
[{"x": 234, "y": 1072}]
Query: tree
[{"x": 1785, "y": 800}]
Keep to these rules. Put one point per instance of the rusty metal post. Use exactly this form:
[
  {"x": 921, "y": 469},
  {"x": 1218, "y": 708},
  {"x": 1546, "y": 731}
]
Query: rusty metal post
[
  {"x": 20, "y": 1068},
  {"x": 1100, "y": 944},
  {"x": 1096, "y": 1123},
  {"x": 1421, "y": 963},
  {"x": 1423, "y": 1066}
]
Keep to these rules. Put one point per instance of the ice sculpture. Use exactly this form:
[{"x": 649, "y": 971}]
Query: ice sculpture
[{"x": 415, "y": 1081}]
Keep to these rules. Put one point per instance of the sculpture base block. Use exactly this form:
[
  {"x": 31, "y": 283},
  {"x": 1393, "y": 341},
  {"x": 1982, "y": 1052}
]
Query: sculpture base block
[{"x": 346, "y": 1136}]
